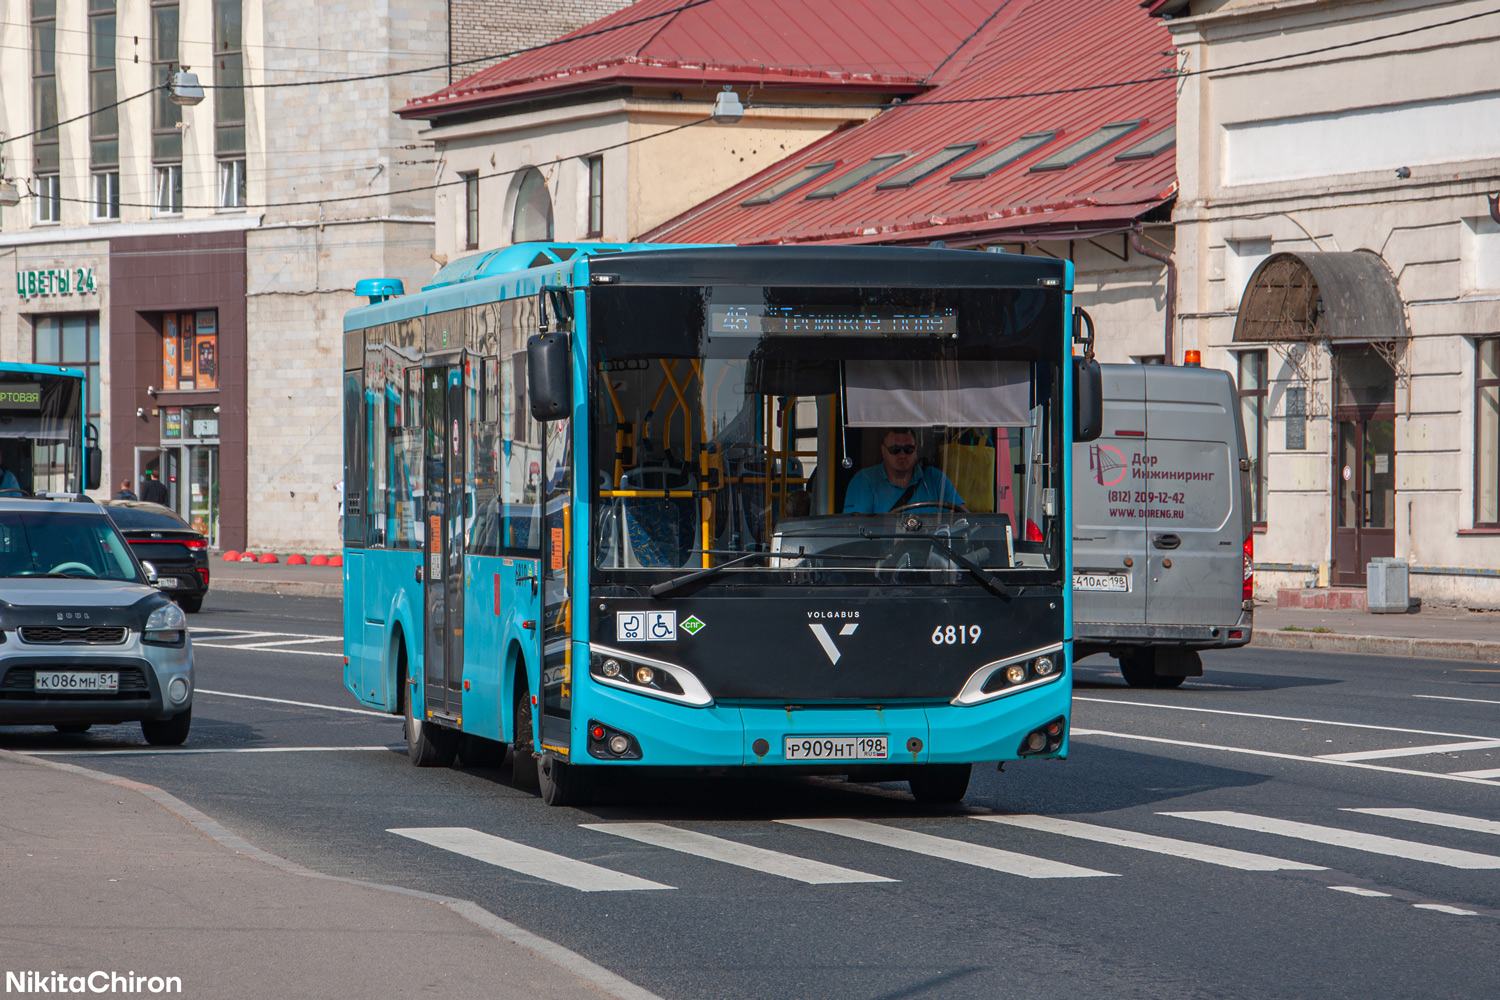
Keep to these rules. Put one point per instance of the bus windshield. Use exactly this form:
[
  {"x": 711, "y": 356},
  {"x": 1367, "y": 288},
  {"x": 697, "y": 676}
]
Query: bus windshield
[
  {"x": 41, "y": 433},
  {"x": 844, "y": 435}
]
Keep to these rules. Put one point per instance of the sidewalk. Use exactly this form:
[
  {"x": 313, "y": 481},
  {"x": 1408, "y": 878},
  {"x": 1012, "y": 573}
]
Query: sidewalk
[
  {"x": 1437, "y": 632},
  {"x": 276, "y": 578},
  {"x": 108, "y": 875}
]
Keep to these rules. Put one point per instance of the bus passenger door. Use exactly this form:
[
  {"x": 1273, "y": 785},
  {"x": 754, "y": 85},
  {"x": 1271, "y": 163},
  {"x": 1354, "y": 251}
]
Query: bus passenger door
[
  {"x": 557, "y": 586},
  {"x": 444, "y": 541}
]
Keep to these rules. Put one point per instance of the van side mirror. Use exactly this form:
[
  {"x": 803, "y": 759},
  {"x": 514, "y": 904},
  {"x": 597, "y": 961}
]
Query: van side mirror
[
  {"x": 549, "y": 376},
  {"x": 93, "y": 467},
  {"x": 1088, "y": 399}
]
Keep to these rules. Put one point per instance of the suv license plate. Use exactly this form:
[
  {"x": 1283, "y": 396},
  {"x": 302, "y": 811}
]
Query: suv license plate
[
  {"x": 77, "y": 680},
  {"x": 835, "y": 748},
  {"x": 168, "y": 582},
  {"x": 1118, "y": 583}
]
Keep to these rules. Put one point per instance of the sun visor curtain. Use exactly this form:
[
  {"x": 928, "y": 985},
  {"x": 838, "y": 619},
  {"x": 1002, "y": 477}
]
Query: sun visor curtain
[{"x": 938, "y": 393}]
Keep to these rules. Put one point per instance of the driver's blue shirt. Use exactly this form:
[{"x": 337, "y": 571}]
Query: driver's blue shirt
[
  {"x": 8, "y": 481},
  {"x": 870, "y": 492}
]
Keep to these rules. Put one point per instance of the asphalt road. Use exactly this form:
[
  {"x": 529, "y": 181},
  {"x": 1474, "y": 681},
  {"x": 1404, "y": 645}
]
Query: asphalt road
[{"x": 1070, "y": 899}]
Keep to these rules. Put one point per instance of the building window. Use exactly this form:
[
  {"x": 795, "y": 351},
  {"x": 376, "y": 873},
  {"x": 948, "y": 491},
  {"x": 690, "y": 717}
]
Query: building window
[
  {"x": 471, "y": 211},
  {"x": 169, "y": 189},
  {"x": 1487, "y": 433},
  {"x": 930, "y": 165},
  {"x": 229, "y": 83},
  {"x": 1087, "y": 146},
  {"x": 855, "y": 177},
  {"x": 231, "y": 184},
  {"x": 48, "y": 196},
  {"x": 790, "y": 183},
  {"x": 72, "y": 341},
  {"x": 533, "y": 215},
  {"x": 44, "y": 89},
  {"x": 1254, "y": 414},
  {"x": 596, "y": 196},
  {"x": 166, "y": 117},
  {"x": 104, "y": 117},
  {"x": 107, "y": 195}
]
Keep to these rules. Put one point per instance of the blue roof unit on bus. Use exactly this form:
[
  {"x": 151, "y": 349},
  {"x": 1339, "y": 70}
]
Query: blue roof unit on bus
[{"x": 525, "y": 256}]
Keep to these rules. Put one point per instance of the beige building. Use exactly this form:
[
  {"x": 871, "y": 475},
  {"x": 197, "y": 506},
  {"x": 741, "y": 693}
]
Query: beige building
[{"x": 1338, "y": 242}]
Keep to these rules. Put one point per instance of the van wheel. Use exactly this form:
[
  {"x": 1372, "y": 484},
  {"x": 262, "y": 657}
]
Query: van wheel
[
  {"x": 523, "y": 762},
  {"x": 428, "y": 745},
  {"x": 171, "y": 732},
  {"x": 563, "y": 784},
  {"x": 938, "y": 784},
  {"x": 1139, "y": 669}
]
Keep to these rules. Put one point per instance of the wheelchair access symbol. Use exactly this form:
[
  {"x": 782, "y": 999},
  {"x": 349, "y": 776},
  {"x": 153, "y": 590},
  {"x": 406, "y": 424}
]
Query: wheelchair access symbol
[{"x": 645, "y": 626}]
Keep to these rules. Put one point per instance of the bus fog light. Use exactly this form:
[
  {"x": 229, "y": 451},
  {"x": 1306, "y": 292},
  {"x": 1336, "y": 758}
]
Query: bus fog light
[
  {"x": 611, "y": 668},
  {"x": 618, "y": 744},
  {"x": 178, "y": 690},
  {"x": 644, "y": 675},
  {"x": 1015, "y": 673},
  {"x": 1036, "y": 741},
  {"x": 1043, "y": 666}
]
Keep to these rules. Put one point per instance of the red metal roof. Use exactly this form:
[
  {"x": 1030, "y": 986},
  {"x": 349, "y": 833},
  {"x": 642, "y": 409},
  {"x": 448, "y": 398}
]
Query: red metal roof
[
  {"x": 1033, "y": 46},
  {"x": 839, "y": 45}
]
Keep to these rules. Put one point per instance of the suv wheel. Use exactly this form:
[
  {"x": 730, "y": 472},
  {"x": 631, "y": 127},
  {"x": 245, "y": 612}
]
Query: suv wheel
[
  {"x": 168, "y": 732},
  {"x": 192, "y": 605}
]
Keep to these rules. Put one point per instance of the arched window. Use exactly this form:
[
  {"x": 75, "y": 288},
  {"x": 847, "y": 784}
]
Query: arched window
[{"x": 533, "y": 215}]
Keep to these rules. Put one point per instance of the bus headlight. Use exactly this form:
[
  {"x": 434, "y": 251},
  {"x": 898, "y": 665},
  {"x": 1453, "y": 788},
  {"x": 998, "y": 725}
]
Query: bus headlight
[
  {"x": 611, "y": 668},
  {"x": 1014, "y": 673},
  {"x": 647, "y": 675}
]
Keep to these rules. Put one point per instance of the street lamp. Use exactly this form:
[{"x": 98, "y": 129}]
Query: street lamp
[
  {"x": 727, "y": 107},
  {"x": 186, "y": 90}
]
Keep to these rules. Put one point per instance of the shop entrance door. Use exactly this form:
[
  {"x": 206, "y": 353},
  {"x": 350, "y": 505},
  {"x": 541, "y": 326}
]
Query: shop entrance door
[
  {"x": 202, "y": 506},
  {"x": 1364, "y": 471}
]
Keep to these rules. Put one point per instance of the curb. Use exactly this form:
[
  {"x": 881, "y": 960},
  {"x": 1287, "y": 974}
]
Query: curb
[
  {"x": 1378, "y": 645},
  {"x": 285, "y": 588}
]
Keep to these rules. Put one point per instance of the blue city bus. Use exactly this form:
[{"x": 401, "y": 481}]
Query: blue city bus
[
  {"x": 45, "y": 446},
  {"x": 598, "y": 509}
]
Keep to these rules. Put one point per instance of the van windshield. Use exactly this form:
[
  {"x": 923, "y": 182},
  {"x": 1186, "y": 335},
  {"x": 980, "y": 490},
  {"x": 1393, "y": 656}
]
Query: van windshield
[{"x": 36, "y": 543}]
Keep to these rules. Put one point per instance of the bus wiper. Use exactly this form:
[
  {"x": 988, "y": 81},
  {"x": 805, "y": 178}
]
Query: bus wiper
[
  {"x": 688, "y": 579},
  {"x": 991, "y": 581}
]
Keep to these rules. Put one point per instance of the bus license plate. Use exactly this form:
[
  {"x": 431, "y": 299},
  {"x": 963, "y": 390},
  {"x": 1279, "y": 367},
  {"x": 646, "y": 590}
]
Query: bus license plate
[
  {"x": 76, "y": 680},
  {"x": 1110, "y": 582},
  {"x": 836, "y": 748}
]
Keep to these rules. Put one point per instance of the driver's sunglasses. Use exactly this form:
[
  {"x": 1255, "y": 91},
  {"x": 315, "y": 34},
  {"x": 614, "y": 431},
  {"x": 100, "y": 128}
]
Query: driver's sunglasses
[{"x": 901, "y": 449}]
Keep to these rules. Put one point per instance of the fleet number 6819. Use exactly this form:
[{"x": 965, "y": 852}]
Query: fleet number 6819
[{"x": 955, "y": 635}]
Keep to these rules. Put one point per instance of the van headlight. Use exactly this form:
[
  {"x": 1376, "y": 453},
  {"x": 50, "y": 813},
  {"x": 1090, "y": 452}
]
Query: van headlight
[{"x": 166, "y": 627}]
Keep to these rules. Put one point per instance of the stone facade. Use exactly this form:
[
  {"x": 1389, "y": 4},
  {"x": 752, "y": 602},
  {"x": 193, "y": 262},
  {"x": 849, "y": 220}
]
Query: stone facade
[{"x": 484, "y": 28}]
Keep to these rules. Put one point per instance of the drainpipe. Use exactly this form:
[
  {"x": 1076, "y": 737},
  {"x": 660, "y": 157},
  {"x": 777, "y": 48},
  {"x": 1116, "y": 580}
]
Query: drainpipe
[{"x": 1140, "y": 247}]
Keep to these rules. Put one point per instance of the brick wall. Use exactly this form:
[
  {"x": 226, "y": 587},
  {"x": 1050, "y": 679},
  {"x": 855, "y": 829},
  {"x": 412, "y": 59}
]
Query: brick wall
[{"x": 485, "y": 27}]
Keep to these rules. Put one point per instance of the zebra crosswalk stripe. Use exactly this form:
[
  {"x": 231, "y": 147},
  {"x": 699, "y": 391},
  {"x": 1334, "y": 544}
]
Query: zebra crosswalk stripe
[
  {"x": 960, "y": 851},
  {"x": 1368, "y": 842},
  {"x": 526, "y": 860},
  {"x": 733, "y": 853},
  {"x": 1243, "y": 860},
  {"x": 1451, "y": 820}
]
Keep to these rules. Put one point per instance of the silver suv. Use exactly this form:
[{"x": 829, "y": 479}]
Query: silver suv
[{"x": 85, "y": 636}]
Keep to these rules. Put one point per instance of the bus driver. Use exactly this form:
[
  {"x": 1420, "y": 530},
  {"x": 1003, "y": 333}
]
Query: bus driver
[{"x": 899, "y": 480}]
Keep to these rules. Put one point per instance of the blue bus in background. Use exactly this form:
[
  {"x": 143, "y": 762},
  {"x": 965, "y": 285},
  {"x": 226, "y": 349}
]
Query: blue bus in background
[
  {"x": 45, "y": 446},
  {"x": 597, "y": 510}
]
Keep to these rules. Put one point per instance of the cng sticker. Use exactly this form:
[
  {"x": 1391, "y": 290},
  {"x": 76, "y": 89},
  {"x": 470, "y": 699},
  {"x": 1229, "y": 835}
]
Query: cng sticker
[{"x": 693, "y": 625}]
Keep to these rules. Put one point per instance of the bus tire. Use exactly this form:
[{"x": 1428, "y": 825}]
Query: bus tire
[
  {"x": 936, "y": 784},
  {"x": 563, "y": 784},
  {"x": 523, "y": 762},
  {"x": 428, "y": 745}
]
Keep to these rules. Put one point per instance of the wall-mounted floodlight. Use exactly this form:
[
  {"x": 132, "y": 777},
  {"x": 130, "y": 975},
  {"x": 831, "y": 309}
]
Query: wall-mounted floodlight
[
  {"x": 186, "y": 90},
  {"x": 10, "y": 197},
  {"x": 727, "y": 107}
]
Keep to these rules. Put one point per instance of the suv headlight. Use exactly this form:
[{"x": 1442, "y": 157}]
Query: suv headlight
[{"x": 166, "y": 626}]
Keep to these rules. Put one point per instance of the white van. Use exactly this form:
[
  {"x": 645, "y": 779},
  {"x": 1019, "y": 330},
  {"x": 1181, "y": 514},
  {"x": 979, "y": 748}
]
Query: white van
[{"x": 1162, "y": 543}]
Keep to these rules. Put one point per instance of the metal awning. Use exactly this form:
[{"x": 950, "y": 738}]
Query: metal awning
[{"x": 1321, "y": 296}]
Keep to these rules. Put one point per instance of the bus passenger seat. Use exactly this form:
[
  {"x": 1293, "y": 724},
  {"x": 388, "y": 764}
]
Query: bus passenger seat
[{"x": 659, "y": 531}]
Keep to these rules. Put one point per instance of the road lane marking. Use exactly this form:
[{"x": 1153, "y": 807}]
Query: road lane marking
[
  {"x": 1412, "y": 751},
  {"x": 1278, "y": 718},
  {"x": 1368, "y": 842},
  {"x": 1277, "y": 755},
  {"x": 732, "y": 853},
  {"x": 278, "y": 643},
  {"x": 299, "y": 652},
  {"x": 1451, "y": 820},
  {"x": 1356, "y": 890},
  {"x": 188, "y": 750},
  {"x": 1242, "y": 860},
  {"x": 1445, "y": 697},
  {"x": 1440, "y": 908},
  {"x": 299, "y": 704},
  {"x": 1489, "y": 772},
  {"x": 949, "y": 850},
  {"x": 531, "y": 861}
]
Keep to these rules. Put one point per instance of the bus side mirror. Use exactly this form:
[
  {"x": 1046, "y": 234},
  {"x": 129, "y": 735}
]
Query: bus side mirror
[
  {"x": 549, "y": 376},
  {"x": 93, "y": 465},
  {"x": 1088, "y": 399}
]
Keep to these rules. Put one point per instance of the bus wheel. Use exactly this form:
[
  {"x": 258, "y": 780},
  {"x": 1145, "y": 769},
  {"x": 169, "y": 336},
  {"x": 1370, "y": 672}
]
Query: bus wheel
[
  {"x": 563, "y": 784},
  {"x": 940, "y": 783},
  {"x": 428, "y": 745},
  {"x": 523, "y": 763}
]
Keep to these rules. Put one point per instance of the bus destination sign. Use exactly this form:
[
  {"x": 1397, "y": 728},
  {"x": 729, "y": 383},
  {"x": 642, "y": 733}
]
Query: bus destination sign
[
  {"x": 20, "y": 396},
  {"x": 828, "y": 321}
]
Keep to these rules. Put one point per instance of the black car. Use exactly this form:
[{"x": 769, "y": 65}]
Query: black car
[{"x": 177, "y": 551}]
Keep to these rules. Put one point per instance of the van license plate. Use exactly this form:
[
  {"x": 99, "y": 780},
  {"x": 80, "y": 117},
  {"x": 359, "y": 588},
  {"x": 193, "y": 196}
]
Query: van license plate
[
  {"x": 1118, "y": 583},
  {"x": 835, "y": 748},
  {"x": 77, "y": 680}
]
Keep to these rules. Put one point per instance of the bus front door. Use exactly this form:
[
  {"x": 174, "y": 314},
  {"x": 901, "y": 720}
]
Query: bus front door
[{"x": 443, "y": 595}]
